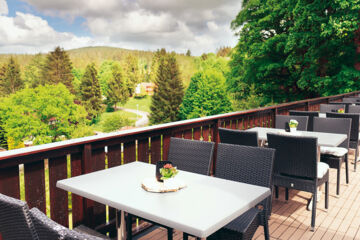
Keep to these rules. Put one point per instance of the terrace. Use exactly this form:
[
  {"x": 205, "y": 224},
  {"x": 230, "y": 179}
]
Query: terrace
[{"x": 45, "y": 164}]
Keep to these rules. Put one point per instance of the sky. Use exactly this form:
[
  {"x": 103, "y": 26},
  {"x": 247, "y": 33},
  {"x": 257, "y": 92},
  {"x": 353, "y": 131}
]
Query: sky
[{"x": 33, "y": 26}]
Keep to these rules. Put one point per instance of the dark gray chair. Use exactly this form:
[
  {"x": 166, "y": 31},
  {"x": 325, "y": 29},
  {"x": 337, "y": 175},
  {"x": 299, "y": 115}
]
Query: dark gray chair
[
  {"x": 191, "y": 155},
  {"x": 324, "y": 108},
  {"x": 335, "y": 156},
  {"x": 281, "y": 120},
  {"x": 311, "y": 116},
  {"x": 296, "y": 166},
  {"x": 354, "y": 132},
  {"x": 18, "y": 222},
  {"x": 342, "y": 103},
  {"x": 354, "y": 109},
  {"x": 250, "y": 165},
  {"x": 238, "y": 137},
  {"x": 15, "y": 220},
  {"x": 351, "y": 100}
]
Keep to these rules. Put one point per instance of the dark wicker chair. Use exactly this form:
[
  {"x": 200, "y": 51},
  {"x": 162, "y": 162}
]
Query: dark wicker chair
[
  {"x": 324, "y": 108},
  {"x": 188, "y": 155},
  {"x": 47, "y": 229},
  {"x": 18, "y": 222},
  {"x": 354, "y": 109},
  {"x": 354, "y": 132},
  {"x": 342, "y": 103},
  {"x": 281, "y": 120},
  {"x": 335, "y": 156},
  {"x": 296, "y": 166},
  {"x": 191, "y": 155},
  {"x": 238, "y": 137},
  {"x": 15, "y": 220},
  {"x": 311, "y": 116},
  {"x": 250, "y": 165}
]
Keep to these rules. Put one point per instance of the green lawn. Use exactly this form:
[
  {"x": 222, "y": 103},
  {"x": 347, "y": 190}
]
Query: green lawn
[{"x": 143, "y": 103}]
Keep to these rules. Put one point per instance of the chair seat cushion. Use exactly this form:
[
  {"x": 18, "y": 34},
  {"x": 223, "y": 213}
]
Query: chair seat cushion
[
  {"x": 335, "y": 151},
  {"x": 322, "y": 169}
]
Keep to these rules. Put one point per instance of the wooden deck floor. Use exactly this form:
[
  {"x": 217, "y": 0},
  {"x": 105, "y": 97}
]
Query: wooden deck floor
[{"x": 291, "y": 220}]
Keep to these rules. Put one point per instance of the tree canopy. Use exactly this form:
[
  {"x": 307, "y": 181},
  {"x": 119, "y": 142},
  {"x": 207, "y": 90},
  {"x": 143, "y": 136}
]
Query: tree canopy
[
  {"x": 10, "y": 77},
  {"x": 291, "y": 50},
  {"x": 169, "y": 90},
  {"x": 117, "y": 88},
  {"x": 207, "y": 93},
  {"x": 43, "y": 114}
]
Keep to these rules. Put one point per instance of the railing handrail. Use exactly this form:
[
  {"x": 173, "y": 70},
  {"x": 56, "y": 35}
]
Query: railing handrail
[{"x": 107, "y": 136}]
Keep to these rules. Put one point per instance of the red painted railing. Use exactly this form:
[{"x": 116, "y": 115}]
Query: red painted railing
[{"x": 43, "y": 165}]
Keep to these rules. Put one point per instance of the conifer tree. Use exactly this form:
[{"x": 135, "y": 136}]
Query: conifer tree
[
  {"x": 57, "y": 69},
  {"x": 90, "y": 90},
  {"x": 169, "y": 90},
  {"x": 10, "y": 77},
  {"x": 2, "y": 79},
  {"x": 117, "y": 90},
  {"x": 132, "y": 72}
]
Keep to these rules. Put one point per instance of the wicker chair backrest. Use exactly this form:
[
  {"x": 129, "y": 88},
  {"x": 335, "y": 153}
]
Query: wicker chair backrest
[
  {"x": 191, "y": 155},
  {"x": 281, "y": 120},
  {"x": 252, "y": 165},
  {"x": 15, "y": 220},
  {"x": 354, "y": 132},
  {"x": 334, "y": 125},
  {"x": 238, "y": 137},
  {"x": 311, "y": 116},
  {"x": 354, "y": 109},
  {"x": 324, "y": 108},
  {"x": 295, "y": 156}
]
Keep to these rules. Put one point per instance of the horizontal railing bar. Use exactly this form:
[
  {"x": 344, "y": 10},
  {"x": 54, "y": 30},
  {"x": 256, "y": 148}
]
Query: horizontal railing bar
[{"x": 161, "y": 127}]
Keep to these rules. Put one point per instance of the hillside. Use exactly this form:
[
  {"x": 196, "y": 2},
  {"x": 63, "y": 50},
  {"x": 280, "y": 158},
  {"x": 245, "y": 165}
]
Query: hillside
[{"x": 82, "y": 56}]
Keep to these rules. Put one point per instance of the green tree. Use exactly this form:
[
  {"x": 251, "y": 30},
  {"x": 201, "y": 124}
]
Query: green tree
[
  {"x": 114, "y": 121},
  {"x": 90, "y": 91},
  {"x": 205, "y": 96},
  {"x": 43, "y": 114},
  {"x": 78, "y": 74},
  {"x": 57, "y": 69},
  {"x": 132, "y": 72},
  {"x": 32, "y": 73},
  {"x": 169, "y": 90},
  {"x": 117, "y": 91},
  {"x": 291, "y": 50},
  {"x": 188, "y": 53},
  {"x": 11, "y": 80},
  {"x": 105, "y": 74}
]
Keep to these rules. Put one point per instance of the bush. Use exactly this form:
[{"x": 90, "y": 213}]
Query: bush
[
  {"x": 82, "y": 130},
  {"x": 112, "y": 122},
  {"x": 109, "y": 108}
]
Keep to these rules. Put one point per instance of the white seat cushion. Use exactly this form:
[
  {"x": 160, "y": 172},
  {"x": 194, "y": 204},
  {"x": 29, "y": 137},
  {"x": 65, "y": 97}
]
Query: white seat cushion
[
  {"x": 336, "y": 151},
  {"x": 322, "y": 168}
]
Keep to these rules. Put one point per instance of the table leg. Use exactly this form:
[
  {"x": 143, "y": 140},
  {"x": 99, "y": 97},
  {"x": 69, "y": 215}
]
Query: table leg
[{"x": 121, "y": 225}]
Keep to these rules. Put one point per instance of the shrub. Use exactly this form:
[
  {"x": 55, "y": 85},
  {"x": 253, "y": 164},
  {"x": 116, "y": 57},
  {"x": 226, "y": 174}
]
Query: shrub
[{"x": 112, "y": 122}]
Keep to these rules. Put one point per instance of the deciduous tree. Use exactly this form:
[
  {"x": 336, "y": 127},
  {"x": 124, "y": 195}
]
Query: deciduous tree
[{"x": 291, "y": 50}]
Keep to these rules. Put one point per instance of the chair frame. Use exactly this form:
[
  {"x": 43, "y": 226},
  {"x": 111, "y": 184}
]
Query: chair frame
[
  {"x": 335, "y": 125},
  {"x": 311, "y": 116},
  {"x": 280, "y": 121},
  {"x": 324, "y": 108},
  {"x": 300, "y": 171},
  {"x": 238, "y": 137}
]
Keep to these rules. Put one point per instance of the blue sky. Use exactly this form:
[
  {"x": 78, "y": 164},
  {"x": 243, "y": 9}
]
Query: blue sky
[{"x": 30, "y": 26}]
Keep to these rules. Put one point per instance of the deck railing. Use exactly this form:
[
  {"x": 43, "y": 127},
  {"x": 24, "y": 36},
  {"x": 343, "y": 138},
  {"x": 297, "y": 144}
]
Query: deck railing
[{"x": 43, "y": 165}]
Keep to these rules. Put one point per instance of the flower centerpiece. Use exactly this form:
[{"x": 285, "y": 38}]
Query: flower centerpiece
[
  {"x": 293, "y": 125},
  {"x": 341, "y": 110},
  {"x": 168, "y": 171}
]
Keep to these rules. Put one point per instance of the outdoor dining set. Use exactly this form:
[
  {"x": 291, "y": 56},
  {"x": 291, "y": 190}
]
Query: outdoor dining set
[{"x": 228, "y": 201}]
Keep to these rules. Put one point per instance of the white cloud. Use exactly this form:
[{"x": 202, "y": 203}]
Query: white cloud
[
  {"x": 28, "y": 33},
  {"x": 200, "y": 25},
  {"x": 3, "y": 7}
]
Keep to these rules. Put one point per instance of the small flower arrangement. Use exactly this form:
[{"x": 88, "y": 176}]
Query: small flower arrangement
[
  {"x": 293, "y": 123},
  {"x": 341, "y": 110},
  {"x": 168, "y": 171}
]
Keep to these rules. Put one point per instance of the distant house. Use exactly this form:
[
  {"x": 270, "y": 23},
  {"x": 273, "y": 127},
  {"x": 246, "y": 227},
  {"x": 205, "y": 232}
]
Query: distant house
[{"x": 144, "y": 88}]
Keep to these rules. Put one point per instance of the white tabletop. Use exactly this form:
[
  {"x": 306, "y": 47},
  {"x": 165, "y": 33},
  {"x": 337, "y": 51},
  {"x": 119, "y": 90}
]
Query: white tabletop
[
  {"x": 324, "y": 139},
  {"x": 200, "y": 209}
]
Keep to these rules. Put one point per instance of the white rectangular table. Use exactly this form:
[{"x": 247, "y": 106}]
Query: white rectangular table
[
  {"x": 200, "y": 209},
  {"x": 324, "y": 139}
]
